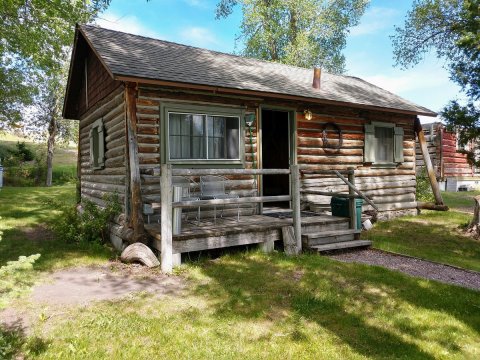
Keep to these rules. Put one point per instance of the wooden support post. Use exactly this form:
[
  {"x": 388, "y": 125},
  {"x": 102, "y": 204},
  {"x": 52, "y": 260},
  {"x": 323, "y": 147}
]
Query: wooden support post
[
  {"x": 166, "y": 247},
  {"x": 136, "y": 216},
  {"x": 352, "y": 202},
  {"x": 267, "y": 246},
  {"x": 428, "y": 163},
  {"x": 296, "y": 211}
]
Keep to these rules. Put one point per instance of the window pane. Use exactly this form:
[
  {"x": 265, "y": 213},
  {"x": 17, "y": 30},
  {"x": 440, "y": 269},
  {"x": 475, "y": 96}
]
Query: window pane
[
  {"x": 186, "y": 136},
  {"x": 383, "y": 144},
  {"x": 223, "y": 137}
]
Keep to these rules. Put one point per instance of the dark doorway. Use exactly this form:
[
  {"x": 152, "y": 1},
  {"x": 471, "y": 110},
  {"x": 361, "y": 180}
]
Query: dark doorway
[{"x": 275, "y": 154}]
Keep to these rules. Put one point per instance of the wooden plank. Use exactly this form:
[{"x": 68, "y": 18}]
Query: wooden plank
[{"x": 245, "y": 200}]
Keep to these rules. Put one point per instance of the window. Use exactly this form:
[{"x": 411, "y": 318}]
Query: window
[
  {"x": 194, "y": 136},
  {"x": 383, "y": 143},
  {"x": 97, "y": 145}
]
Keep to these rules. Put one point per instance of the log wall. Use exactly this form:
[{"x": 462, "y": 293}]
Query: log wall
[
  {"x": 447, "y": 160},
  {"x": 391, "y": 188},
  {"x": 96, "y": 184}
]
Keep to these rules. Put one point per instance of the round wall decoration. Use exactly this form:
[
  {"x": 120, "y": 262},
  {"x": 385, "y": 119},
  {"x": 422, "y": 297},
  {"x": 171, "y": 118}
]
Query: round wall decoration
[{"x": 329, "y": 144}]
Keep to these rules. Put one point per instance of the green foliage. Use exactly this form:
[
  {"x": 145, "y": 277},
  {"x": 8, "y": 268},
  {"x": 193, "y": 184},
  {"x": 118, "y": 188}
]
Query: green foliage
[
  {"x": 34, "y": 36},
  {"x": 424, "y": 189},
  {"x": 90, "y": 225},
  {"x": 452, "y": 29},
  {"x": 24, "y": 152},
  {"x": 304, "y": 33}
]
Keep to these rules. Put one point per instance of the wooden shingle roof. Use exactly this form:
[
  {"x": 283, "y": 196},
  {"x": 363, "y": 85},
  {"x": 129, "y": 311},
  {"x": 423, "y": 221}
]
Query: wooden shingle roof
[{"x": 128, "y": 56}]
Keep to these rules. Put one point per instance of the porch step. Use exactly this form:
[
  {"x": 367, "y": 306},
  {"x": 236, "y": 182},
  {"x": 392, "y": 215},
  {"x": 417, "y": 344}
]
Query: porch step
[
  {"x": 329, "y": 237},
  {"x": 342, "y": 245}
]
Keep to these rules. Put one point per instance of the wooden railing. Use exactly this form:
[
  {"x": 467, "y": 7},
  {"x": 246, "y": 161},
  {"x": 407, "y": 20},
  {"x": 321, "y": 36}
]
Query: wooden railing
[{"x": 167, "y": 204}]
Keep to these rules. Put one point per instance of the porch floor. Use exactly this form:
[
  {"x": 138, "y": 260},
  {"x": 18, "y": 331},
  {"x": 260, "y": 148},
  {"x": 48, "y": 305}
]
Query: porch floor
[{"x": 251, "y": 229}]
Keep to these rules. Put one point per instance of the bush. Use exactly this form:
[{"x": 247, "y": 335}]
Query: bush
[
  {"x": 23, "y": 152},
  {"x": 90, "y": 225},
  {"x": 424, "y": 190},
  {"x": 23, "y": 167}
]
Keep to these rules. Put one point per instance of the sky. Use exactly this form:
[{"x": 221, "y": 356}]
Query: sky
[{"x": 368, "y": 52}]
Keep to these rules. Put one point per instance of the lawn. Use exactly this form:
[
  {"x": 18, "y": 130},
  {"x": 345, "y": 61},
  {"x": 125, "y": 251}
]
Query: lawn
[
  {"x": 26, "y": 213},
  {"x": 433, "y": 235},
  {"x": 245, "y": 305},
  {"x": 251, "y": 306}
]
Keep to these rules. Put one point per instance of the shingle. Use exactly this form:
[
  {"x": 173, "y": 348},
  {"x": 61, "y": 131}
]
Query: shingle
[{"x": 137, "y": 56}]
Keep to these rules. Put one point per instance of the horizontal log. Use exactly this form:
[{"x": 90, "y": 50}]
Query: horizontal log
[
  {"x": 432, "y": 206},
  {"x": 327, "y": 193},
  {"x": 202, "y": 172},
  {"x": 103, "y": 186},
  {"x": 244, "y": 200}
]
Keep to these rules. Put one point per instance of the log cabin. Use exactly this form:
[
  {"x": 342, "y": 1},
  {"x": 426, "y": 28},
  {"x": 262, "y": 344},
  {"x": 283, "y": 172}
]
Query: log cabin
[
  {"x": 452, "y": 167},
  {"x": 286, "y": 138}
]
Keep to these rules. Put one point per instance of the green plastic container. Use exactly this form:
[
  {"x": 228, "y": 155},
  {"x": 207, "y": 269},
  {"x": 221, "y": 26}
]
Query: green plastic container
[{"x": 340, "y": 208}]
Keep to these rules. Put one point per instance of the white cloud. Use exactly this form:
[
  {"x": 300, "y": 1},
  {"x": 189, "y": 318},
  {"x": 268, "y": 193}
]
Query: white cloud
[
  {"x": 127, "y": 23},
  {"x": 374, "y": 20},
  {"x": 199, "y": 36}
]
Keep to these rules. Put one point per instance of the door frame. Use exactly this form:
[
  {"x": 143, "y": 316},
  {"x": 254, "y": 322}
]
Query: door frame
[{"x": 292, "y": 140}]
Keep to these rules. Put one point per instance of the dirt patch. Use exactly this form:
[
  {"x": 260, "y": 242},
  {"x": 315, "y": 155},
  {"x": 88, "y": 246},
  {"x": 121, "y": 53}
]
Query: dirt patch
[
  {"x": 413, "y": 266},
  {"x": 81, "y": 286},
  {"x": 84, "y": 285}
]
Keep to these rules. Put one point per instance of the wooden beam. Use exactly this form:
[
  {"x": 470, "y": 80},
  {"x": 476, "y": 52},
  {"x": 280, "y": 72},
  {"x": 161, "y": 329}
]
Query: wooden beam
[
  {"x": 166, "y": 248},
  {"x": 136, "y": 216},
  {"x": 202, "y": 172},
  {"x": 431, "y": 206},
  {"x": 352, "y": 203},
  {"x": 242, "y": 200},
  {"x": 296, "y": 208},
  {"x": 428, "y": 163}
]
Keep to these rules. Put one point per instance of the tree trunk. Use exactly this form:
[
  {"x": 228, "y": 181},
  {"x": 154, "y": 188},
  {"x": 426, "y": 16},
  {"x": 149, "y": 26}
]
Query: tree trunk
[
  {"x": 474, "y": 227},
  {"x": 52, "y": 132}
]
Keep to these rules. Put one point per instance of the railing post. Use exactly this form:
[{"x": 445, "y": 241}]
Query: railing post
[
  {"x": 166, "y": 256},
  {"x": 297, "y": 223},
  {"x": 352, "y": 200}
]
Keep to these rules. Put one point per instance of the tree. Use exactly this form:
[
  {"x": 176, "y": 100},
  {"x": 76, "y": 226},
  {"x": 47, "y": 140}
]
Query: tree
[
  {"x": 33, "y": 34},
  {"x": 452, "y": 29},
  {"x": 304, "y": 33},
  {"x": 36, "y": 38}
]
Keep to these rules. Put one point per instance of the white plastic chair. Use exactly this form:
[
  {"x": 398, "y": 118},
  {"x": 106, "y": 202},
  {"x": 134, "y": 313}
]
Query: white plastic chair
[{"x": 213, "y": 187}]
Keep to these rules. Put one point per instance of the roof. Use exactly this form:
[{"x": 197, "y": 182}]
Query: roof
[{"x": 132, "y": 56}]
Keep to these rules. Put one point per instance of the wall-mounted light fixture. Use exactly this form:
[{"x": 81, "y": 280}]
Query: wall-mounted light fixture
[
  {"x": 249, "y": 119},
  {"x": 308, "y": 114}
]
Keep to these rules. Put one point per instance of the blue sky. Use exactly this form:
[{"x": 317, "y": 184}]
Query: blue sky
[{"x": 368, "y": 52}]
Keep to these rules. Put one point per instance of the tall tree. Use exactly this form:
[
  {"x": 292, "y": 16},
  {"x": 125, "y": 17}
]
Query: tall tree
[
  {"x": 33, "y": 35},
  {"x": 452, "y": 29},
  {"x": 304, "y": 33}
]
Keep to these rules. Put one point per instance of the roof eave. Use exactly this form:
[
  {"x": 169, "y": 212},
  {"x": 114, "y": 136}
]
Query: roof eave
[{"x": 216, "y": 89}]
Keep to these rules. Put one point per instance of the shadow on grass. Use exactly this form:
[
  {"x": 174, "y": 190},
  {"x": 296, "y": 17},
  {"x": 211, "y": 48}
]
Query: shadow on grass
[
  {"x": 14, "y": 342},
  {"x": 340, "y": 298}
]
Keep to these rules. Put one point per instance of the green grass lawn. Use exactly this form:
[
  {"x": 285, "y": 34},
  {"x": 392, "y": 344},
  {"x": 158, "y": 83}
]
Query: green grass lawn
[
  {"x": 247, "y": 305},
  {"x": 433, "y": 235},
  {"x": 460, "y": 200},
  {"x": 255, "y": 306},
  {"x": 25, "y": 214}
]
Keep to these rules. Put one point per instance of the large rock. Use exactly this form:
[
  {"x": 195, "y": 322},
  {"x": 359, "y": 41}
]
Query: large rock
[{"x": 141, "y": 253}]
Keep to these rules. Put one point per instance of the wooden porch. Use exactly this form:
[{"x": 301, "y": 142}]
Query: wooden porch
[
  {"x": 258, "y": 229},
  {"x": 298, "y": 230}
]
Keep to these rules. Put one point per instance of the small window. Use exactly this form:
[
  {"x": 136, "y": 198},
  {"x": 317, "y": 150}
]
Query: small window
[
  {"x": 383, "y": 144},
  {"x": 97, "y": 145},
  {"x": 203, "y": 137}
]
